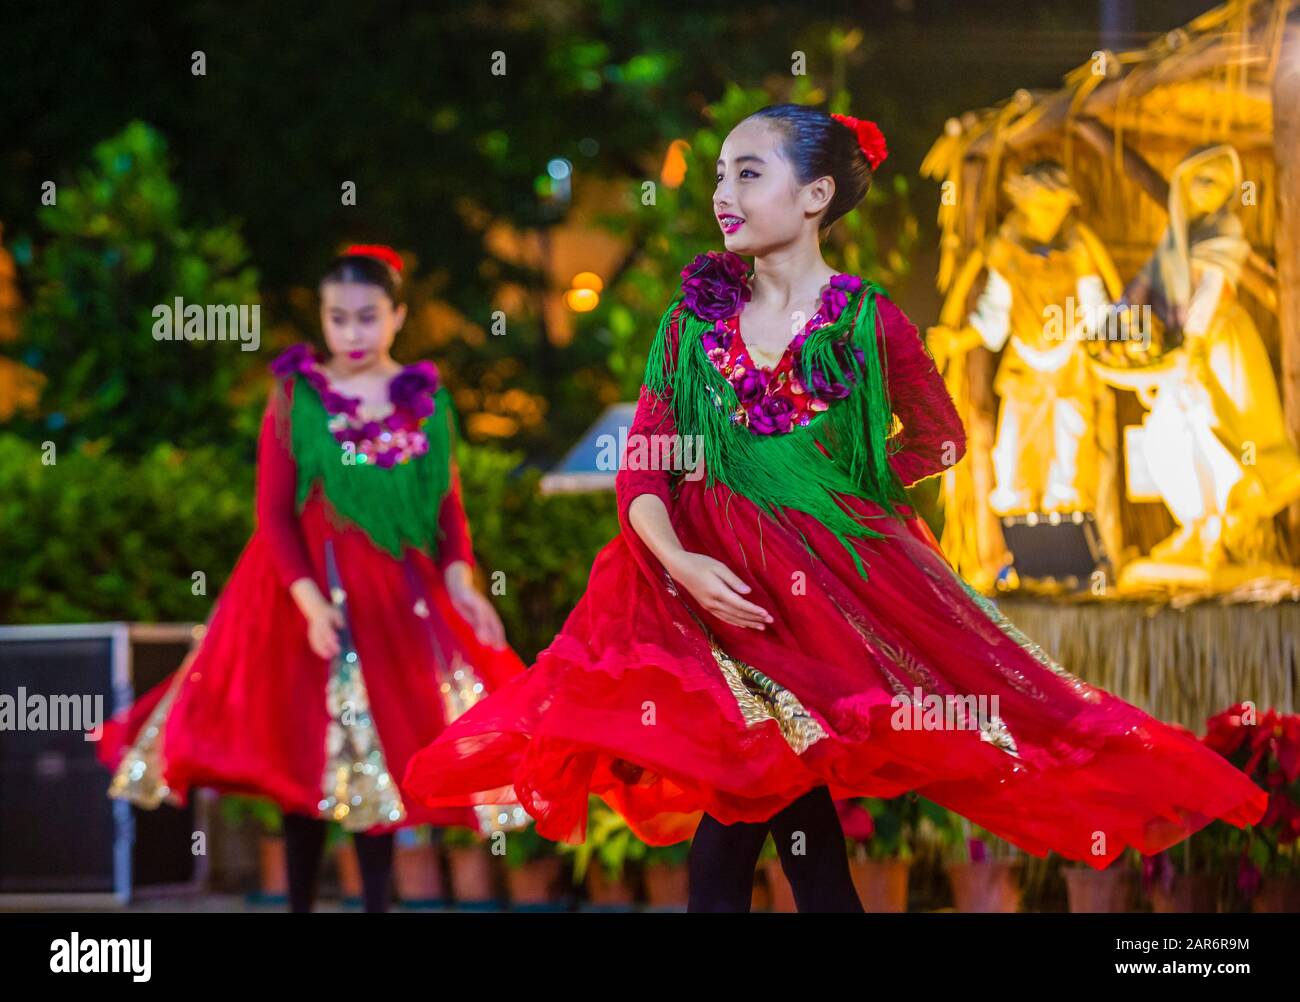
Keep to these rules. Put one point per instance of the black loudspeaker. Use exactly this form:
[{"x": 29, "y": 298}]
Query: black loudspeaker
[
  {"x": 1059, "y": 547},
  {"x": 59, "y": 831}
]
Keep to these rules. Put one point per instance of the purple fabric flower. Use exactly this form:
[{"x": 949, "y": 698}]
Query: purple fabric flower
[
  {"x": 772, "y": 415},
  {"x": 750, "y": 385},
  {"x": 337, "y": 403},
  {"x": 717, "y": 340},
  {"x": 295, "y": 358},
  {"x": 412, "y": 389},
  {"x": 714, "y": 285}
]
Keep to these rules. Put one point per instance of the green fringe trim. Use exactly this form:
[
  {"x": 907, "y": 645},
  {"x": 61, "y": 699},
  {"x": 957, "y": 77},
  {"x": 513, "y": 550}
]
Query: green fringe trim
[
  {"x": 790, "y": 470},
  {"x": 395, "y": 507}
]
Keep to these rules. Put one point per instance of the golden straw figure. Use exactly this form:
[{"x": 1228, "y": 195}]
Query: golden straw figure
[
  {"x": 1214, "y": 447},
  {"x": 1049, "y": 281}
]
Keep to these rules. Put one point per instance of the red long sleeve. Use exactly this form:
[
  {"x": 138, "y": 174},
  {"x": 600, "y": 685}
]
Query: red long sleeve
[
  {"x": 654, "y": 416},
  {"x": 454, "y": 541},
  {"x": 277, "y": 485},
  {"x": 933, "y": 437}
]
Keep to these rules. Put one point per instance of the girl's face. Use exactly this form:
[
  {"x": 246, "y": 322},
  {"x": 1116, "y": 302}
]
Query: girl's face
[
  {"x": 359, "y": 322},
  {"x": 759, "y": 203}
]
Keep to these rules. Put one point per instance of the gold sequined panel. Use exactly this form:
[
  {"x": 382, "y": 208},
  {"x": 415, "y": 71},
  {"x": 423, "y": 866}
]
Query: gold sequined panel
[
  {"x": 356, "y": 789},
  {"x": 761, "y": 699},
  {"x": 139, "y": 777},
  {"x": 461, "y": 688}
]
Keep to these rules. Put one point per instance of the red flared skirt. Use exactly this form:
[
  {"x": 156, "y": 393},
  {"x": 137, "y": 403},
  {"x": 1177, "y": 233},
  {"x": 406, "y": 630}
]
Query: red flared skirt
[
  {"x": 248, "y": 712},
  {"x": 664, "y": 711}
]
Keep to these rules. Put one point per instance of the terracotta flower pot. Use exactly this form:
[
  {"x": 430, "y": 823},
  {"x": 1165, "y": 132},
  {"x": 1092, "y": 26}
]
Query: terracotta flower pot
[
  {"x": 535, "y": 882},
  {"x": 1277, "y": 894},
  {"x": 667, "y": 885},
  {"x": 1090, "y": 890},
  {"x": 274, "y": 874},
  {"x": 471, "y": 874},
  {"x": 778, "y": 887},
  {"x": 602, "y": 890},
  {"x": 881, "y": 883},
  {"x": 345, "y": 858},
  {"x": 1190, "y": 892},
  {"x": 417, "y": 871},
  {"x": 988, "y": 886}
]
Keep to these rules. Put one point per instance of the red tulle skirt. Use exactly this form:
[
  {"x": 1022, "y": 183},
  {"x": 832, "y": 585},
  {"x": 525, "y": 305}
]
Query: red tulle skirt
[
  {"x": 639, "y": 703},
  {"x": 247, "y": 712}
]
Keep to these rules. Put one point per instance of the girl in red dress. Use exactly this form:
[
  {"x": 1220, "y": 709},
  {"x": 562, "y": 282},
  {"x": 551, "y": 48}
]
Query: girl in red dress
[
  {"x": 350, "y": 632},
  {"x": 775, "y": 627}
]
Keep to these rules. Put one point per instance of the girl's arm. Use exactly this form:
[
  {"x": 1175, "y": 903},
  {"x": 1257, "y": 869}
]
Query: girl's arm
[
  {"x": 277, "y": 519},
  {"x": 645, "y": 498},
  {"x": 932, "y": 438}
]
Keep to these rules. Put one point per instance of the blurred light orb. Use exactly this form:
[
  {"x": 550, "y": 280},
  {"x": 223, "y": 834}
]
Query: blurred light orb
[
  {"x": 581, "y": 300},
  {"x": 559, "y": 168},
  {"x": 587, "y": 280}
]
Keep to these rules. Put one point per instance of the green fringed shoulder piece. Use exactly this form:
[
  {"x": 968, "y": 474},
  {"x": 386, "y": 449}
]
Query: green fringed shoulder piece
[
  {"x": 395, "y": 507},
  {"x": 790, "y": 470}
]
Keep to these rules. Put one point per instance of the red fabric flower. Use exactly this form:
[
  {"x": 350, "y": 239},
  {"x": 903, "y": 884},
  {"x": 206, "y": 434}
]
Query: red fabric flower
[
  {"x": 870, "y": 138},
  {"x": 380, "y": 252}
]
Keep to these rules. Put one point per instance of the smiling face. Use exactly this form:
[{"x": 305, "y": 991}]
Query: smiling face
[
  {"x": 359, "y": 322},
  {"x": 759, "y": 203}
]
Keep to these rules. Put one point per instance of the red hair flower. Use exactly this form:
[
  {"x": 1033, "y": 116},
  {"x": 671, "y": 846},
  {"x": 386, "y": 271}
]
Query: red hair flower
[
  {"x": 869, "y": 136},
  {"x": 380, "y": 252}
]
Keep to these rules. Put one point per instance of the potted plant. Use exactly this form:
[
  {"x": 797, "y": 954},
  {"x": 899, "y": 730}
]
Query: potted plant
[
  {"x": 470, "y": 867},
  {"x": 611, "y": 844},
  {"x": 1186, "y": 877},
  {"x": 780, "y": 895},
  {"x": 533, "y": 870},
  {"x": 417, "y": 869},
  {"x": 1108, "y": 890},
  {"x": 340, "y": 847},
  {"x": 878, "y": 834},
  {"x": 981, "y": 867},
  {"x": 1267, "y": 748},
  {"x": 667, "y": 875},
  {"x": 256, "y": 812}
]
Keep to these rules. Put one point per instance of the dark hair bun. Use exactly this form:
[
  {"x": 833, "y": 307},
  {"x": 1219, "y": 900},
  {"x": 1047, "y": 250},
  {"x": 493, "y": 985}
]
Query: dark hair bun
[
  {"x": 368, "y": 271},
  {"x": 817, "y": 145}
]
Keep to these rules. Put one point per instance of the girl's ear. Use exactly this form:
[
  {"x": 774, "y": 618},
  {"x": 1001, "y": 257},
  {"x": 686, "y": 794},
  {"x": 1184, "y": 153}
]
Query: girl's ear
[
  {"x": 399, "y": 317},
  {"x": 819, "y": 194}
]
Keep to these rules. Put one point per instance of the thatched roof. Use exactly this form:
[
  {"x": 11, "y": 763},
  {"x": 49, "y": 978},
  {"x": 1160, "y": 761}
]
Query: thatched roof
[{"x": 1210, "y": 81}]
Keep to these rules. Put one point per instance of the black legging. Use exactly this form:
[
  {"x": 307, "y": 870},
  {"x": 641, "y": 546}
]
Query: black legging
[
  {"x": 723, "y": 858},
  {"x": 304, "y": 839}
]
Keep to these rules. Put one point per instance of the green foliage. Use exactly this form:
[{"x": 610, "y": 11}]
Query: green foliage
[
  {"x": 238, "y": 810},
  {"x": 535, "y": 552},
  {"x": 114, "y": 248},
  {"x": 98, "y": 535},
  {"x": 101, "y": 536}
]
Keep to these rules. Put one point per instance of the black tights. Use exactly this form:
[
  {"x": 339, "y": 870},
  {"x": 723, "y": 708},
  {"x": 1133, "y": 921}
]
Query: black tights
[
  {"x": 723, "y": 858},
  {"x": 305, "y": 843}
]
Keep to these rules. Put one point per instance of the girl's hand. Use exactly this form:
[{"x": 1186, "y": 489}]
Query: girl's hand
[
  {"x": 323, "y": 624},
  {"x": 474, "y": 606},
  {"x": 718, "y": 589}
]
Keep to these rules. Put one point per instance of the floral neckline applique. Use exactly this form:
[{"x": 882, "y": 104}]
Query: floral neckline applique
[
  {"x": 771, "y": 399},
  {"x": 389, "y": 441}
]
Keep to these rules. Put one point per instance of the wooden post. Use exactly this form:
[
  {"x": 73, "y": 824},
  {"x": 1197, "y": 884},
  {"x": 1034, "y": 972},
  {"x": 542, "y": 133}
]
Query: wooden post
[{"x": 1286, "y": 155}]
